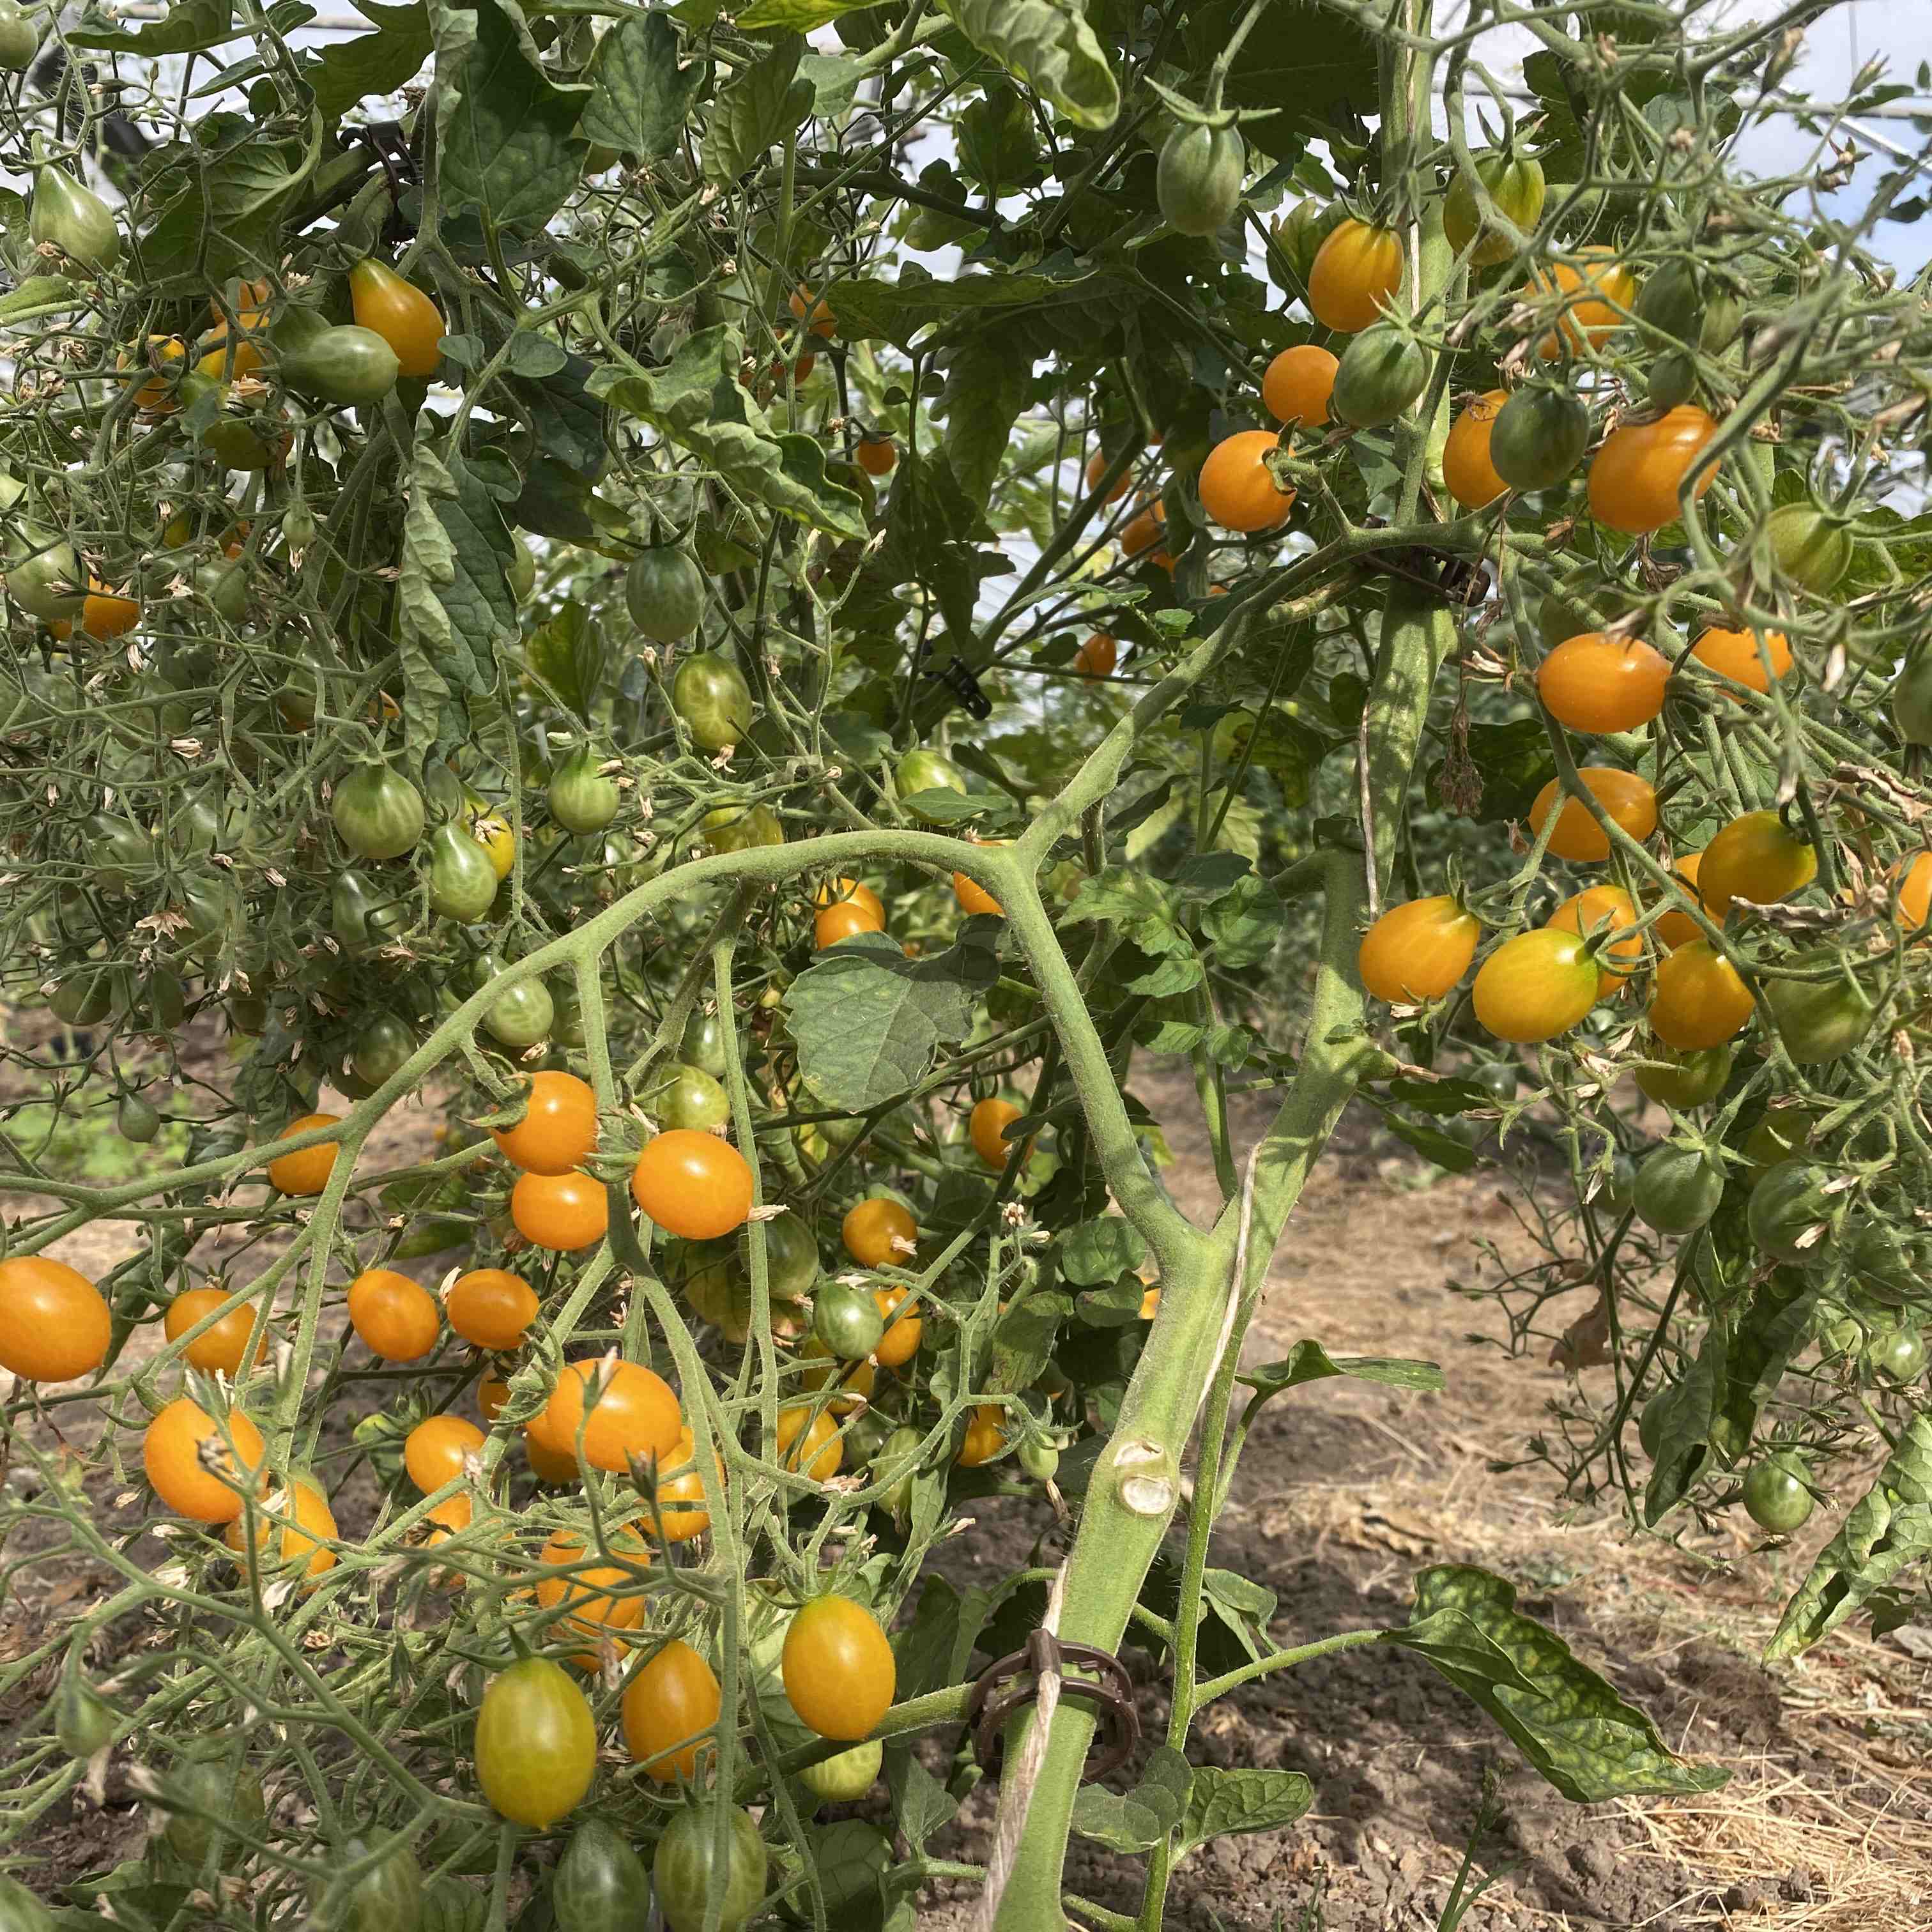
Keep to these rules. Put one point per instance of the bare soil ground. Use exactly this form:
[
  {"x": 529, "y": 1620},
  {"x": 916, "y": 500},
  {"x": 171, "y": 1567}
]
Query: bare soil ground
[{"x": 1346, "y": 1490}]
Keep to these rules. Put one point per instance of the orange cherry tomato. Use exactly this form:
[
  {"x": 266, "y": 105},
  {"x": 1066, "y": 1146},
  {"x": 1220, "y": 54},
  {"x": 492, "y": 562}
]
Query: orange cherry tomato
[
  {"x": 839, "y": 1669},
  {"x": 681, "y": 1510},
  {"x": 1097, "y": 466},
  {"x": 1699, "y": 999},
  {"x": 397, "y": 1317},
  {"x": 693, "y": 1184},
  {"x": 1626, "y": 798},
  {"x": 1605, "y": 908},
  {"x": 450, "y": 1517},
  {"x": 403, "y": 316},
  {"x": 879, "y": 1233},
  {"x": 985, "y": 1436},
  {"x": 973, "y": 898},
  {"x": 562, "y": 1211},
  {"x": 220, "y": 1349},
  {"x": 810, "y": 1444},
  {"x": 435, "y": 1451},
  {"x": 850, "y": 892},
  {"x": 1535, "y": 985},
  {"x": 171, "y": 1455},
  {"x": 820, "y": 322},
  {"x": 1596, "y": 683},
  {"x": 492, "y": 1395},
  {"x": 103, "y": 614},
  {"x": 1298, "y": 384},
  {"x": 635, "y": 1413},
  {"x": 877, "y": 455},
  {"x": 559, "y": 1128},
  {"x": 491, "y": 1308},
  {"x": 1097, "y": 656},
  {"x": 1674, "y": 929},
  {"x": 1734, "y": 655},
  {"x": 1237, "y": 490},
  {"x": 55, "y": 1325},
  {"x": 1599, "y": 292},
  {"x": 307, "y": 1171},
  {"x": 549, "y": 1461},
  {"x": 1466, "y": 468},
  {"x": 1143, "y": 531},
  {"x": 1418, "y": 951},
  {"x": 1754, "y": 858},
  {"x": 855, "y": 1379},
  {"x": 986, "y": 1126},
  {"x": 670, "y": 1705},
  {"x": 305, "y": 1528},
  {"x": 600, "y": 1596},
  {"x": 844, "y": 920},
  {"x": 900, "y": 1342},
  {"x": 1634, "y": 477},
  {"x": 1357, "y": 273},
  {"x": 1911, "y": 882}
]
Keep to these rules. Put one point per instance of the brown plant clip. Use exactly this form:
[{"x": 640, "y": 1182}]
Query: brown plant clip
[
  {"x": 1109, "y": 1691},
  {"x": 1456, "y": 579}
]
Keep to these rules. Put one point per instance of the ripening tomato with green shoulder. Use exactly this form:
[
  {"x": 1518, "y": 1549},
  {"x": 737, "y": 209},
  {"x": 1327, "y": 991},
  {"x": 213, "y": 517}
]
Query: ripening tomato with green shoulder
[
  {"x": 397, "y": 1318},
  {"x": 671, "y": 1707},
  {"x": 1754, "y": 857},
  {"x": 1600, "y": 683},
  {"x": 1535, "y": 985},
  {"x": 535, "y": 1743},
  {"x": 1472, "y": 478},
  {"x": 1737, "y": 655},
  {"x": 1608, "y": 914},
  {"x": 687, "y": 1097},
  {"x": 1636, "y": 475},
  {"x": 55, "y": 1325},
  {"x": 1699, "y": 998},
  {"x": 1418, "y": 951},
  {"x": 1626, "y": 799},
  {"x": 1298, "y": 384},
  {"x": 1237, "y": 488},
  {"x": 838, "y": 1668},
  {"x": 1515, "y": 186},
  {"x": 681, "y": 1872},
  {"x": 559, "y": 1128},
  {"x": 400, "y": 314},
  {"x": 1357, "y": 274}
]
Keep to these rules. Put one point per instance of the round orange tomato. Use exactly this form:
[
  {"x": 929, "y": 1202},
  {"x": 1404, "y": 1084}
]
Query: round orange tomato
[
  {"x": 551, "y": 1461},
  {"x": 55, "y": 1326},
  {"x": 1298, "y": 384},
  {"x": 974, "y": 897},
  {"x": 492, "y": 1395},
  {"x": 220, "y": 1348},
  {"x": 810, "y": 1444},
  {"x": 879, "y": 1233},
  {"x": 877, "y": 455},
  {"x": 850, "y": 892},
  {"x": 305, "y": 1528},
  {"x": 435, "y": 1451},
  {"x": 1535, "y": 985},
  {"x": 563, "y": 1211},
  {"x": 634, "y": 1412},
  {"x": 1097, "y": 466},
  {"x": 839, "y": 1672},
  {"x": 1675, "y": 929},
  {"x": 559, "y": 1128},
  {"x": 820, "y": 320},
  {"x": 681, "y": 1510},
  {"x": 1912, "y": 888},
  {"x": 855, "y": 1379},
  {"x": 1417, "y": 951},
  {"x": 1097, "y": 656},
  {"x": 397, "y": 1317},
  {"x": 1597, "y": 683},
  {"x": 985, "y": 1436},
  {"x": 900, "y": 1342},
  {"x": 1605, "y": 909},
  {"x": 1754, "y": 858},
  {"x": 591, "y": 1591},
  {"x": 1466, "y": 468},
  {"x": 1588, "y": 317},
  {"x": 1734, "y": 655},
  {"x": 693, "y": 1184},
  {"x": 1699, "y": 999},
  {"x": 1142, "y": 533},
  {"x": 307, "y": 1171},
  {"x": 171, "y": 1455},
  {"x": 1237, "y": 490},
  {"x": 842, "y": 921},
  {"x": 1357, "y": 273},
  {"x": 1626, "y": 799},
  {"x": 491, "y": 1308},
  {"x": 670, "y": 1706},
  {"x": 987, "y": 1126},
  {"x": 1635, "y": 477}
]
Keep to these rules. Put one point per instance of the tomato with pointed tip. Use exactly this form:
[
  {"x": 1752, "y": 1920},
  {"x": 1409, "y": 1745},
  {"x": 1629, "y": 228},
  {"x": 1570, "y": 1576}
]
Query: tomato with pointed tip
[
  {"x": 670, "y": 1708},
  {"x": 191, "y": 1485},
  {"x": 559, "y": 1128},
  {"x": 491, "y": 1308},
  {"x": 1626, "y": 799},
  {"x": 1754, "y": 858},
  {"x": 1298, "y": 384},
  {"x": 400, "y": 314},
  {"x": 1417, "y": 951},
  {"x": 839, "y": 1672},
  {"x": 1699, "y": 999},
  {"x": 1609, "y": 912},
  {"x": 55, "y": 1325},
  {"x": 1599, "y": 683},
  {"x": 623, "y": 1409},
  {"x": 879, "y": 1233},
  {"x": 1514, "y": 184},
  {"x": 222, "y": 1348},
  {"x": 1237, "y": 488},
  {"x": 563, "y": 1212},
  {"x": 1466, "y": 468},
  {"x": 987, "y": 1126},
  {"x": 693, "y": 1184},
  {"x": 1536, "y": 985},
  {"x": 306, "y": 1171},
  {"x": 1357, "y": 274},
  {"x": 535, "y": 1744},
  {"x": 1635, "y": 477},
  {"x": 435, "y": 1451},
  {"x": 1737, "y": 655},
  {"x": 395, "y": 1316}
]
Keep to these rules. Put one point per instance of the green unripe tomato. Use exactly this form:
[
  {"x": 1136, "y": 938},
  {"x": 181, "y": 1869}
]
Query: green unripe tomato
[
  {"x": 461, "y": 881},
  {"x": 378, "y": 812},
  {"x": 847, "y": 1320},
  {"x": 895, "y": 1466},
  {"x": 1672, "y": 302},
  {"x": 583, "y": 796},
  {"x": 136, "y": 1119},
  {"x": 213, "y": 1786},
  {"x": 1382, "y": 371},
  {"x": 731, "y": 828},
  {"x": 1912, "y": 700},
  {"x": 381, "y": 1049},
  {"x": 687, "y": 1097},
  {"x": 1684, "y": 1080},
  {"x": 1199, "y": 178},
  {"x": 1515, "y": 184},
  {"x": 84, "y": 1720},
  {"x": 1776, "y": 1495},
  {"x": 709, "y": 694},
  {"x": 847, "y": 1777},
  {"x": 1678, "y": 1190},
  {"x": 1673, "y": 379},
  {"x": 1040, "y": 1460},
  {"x": 521, "y": 1015},
  {"x": 922, "y": 770},
  {"x": 664, "y": 591},
  {"x": 20, "y": 39},
  {"x": 1787, "y": 1204},
  {"x": 601, "y": 1885},
  {"x": 1809, "y": 547},
  {"x": 74, "y": 219},
  {"x": 1897, "y": 1356},
  {"x": 1538, "y": 438},
  {"x": 45, "y": 576},
  {"x": 348, "y": 366},
  {"x": 1818, "y": 1021},
  {"x": 704, "y": 1044}
]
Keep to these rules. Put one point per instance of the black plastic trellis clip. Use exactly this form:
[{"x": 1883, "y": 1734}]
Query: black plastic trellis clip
[{"x": 1108, "y": 1689}]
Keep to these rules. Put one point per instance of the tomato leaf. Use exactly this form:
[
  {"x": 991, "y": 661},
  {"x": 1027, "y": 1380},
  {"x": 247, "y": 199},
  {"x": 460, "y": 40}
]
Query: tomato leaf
[
  {"x": 348, "y": 73},
  {"x": 921, "y": 1804},
  {"x": 1243, "y": 927},
  {"x": 1023, "y": 1342},
  {"x": 1114, "y": 1306},
  {"x": 569, "y": 654},
  {"x": 1308, "y": 1361},
  {"x": 869, "y": 1022},
  {"x": 640, "y": 95},
  {"x": 1145, "y": 909},
  {"x": 190, "y": 27},
  {"x": 754, "y": 108},
  {"x": 1315, "y": 67},
  {"x": 1139, "y": 1820},
  {"x": 1100, "y": 1250},
  {"x": 1571, "y": 1725},
  {"x": 869, "y": 307},
  {"x": 1049, "y": 44},
  {"x": 986, "y": 387},
  {"x": 1220, "y": 1803},
  {"x": 445, "y": 626},
  {"x": 797, "y": 16},
  {"x": 225, "y": 194}
]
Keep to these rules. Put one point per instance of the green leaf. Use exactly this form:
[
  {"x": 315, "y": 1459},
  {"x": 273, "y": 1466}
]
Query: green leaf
[
  {"x": 1246, "y": 1608},
  {"x": 942, "y": 806},
  {"x": 478, "y": 601},
  {"x": 1765, "y": 1331},
  {"x": 1220, "y": 1803},
  {"x": 1139, "y": 1821},
  {"x": 1685, "y": 1444},
  {"x": 1512, "y": 762},
  {"x": 1309, "y": 1362},
  {"x": 1114, "y": 1305},
  {"x": 1887, "y": 1530},
  {"x": 40, "y": 293},
  {"x": 1243, "y": 927},
  {"x": 375, "y": 64},
  {"x": 869, "y": 1022},
  {"x": 1315, "y": 67},
  {"x": 569, "y": 654},
  {"x": 190, "y": 27},
  {"x": 640, "y": 96},
  {"x": 868, "y": 307},
  {"x": 1048, "y": 44},
  {"x": 446, "y": 642},
  {"x": 985, "y": 389},
  {"x": 797, "y": 16},
  {"x": 921, "y": 1804},
  {"x": 1451, "y": 1155},
  {"x": 755, "y": 108},
  {"x": 698, "y": 403},
  {"x": 1566, "y": 1721},
  {"x": 1023, "y": 1340},
  {"x": 1096, "y": 1251},
  {"x": 225, "y": 197},
  {"x": 1144, "y": 908},
  {"x": 509, "y": 144}
]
